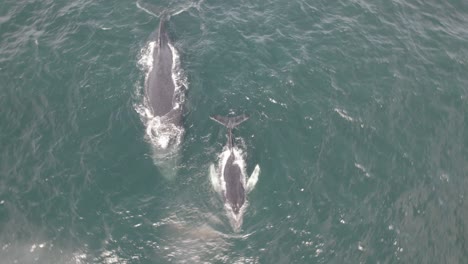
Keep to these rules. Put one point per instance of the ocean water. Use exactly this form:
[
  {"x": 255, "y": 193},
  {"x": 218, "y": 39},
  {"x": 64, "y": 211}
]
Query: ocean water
[{"x": 358, "y": 120}]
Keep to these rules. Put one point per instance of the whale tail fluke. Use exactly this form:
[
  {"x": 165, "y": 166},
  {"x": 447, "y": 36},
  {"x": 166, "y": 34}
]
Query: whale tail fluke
[{"x": 229, "y": 122}]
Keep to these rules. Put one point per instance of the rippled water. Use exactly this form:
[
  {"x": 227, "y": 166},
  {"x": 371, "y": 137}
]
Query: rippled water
[{"x": 358, "y": 113}]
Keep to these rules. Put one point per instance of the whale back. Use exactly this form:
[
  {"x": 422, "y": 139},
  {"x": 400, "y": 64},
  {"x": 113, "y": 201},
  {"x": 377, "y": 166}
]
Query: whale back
[
  {"x": 160, "y": 84},
  {"x": 235, "y": 191}
]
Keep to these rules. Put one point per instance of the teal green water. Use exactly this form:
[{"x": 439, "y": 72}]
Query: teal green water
[{"x": 358, "y": 122}]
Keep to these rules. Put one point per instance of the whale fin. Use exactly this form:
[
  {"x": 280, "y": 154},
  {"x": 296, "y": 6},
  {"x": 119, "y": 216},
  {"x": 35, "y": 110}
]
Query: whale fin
[
  {"x": 252, "y": 181},
  {"x": 214, "y": 179},
  {"x": 229, "y": 122}
]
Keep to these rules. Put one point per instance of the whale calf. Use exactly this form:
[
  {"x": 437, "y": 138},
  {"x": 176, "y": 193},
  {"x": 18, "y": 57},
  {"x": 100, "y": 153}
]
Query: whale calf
[{"x": 229, "y": 178}]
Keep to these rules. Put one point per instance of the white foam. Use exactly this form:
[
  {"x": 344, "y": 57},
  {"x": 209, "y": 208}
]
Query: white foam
[
  {"x": 236, "y": 220},
  {"x": 146, "y": 57},
  {"x": 79, "y": 258},
  {"x": 444, "y": 177},
  {"x": 111, "y": 257},
  {"x": 343, "y": 114},
  {"x": 362, "y": 168},
  {"x": 178, "y": 77},
  {"x": 276, "y": 102}
]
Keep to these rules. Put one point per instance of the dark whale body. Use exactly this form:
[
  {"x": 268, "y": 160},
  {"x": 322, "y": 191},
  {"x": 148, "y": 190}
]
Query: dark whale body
[
  {"x": 235, "y": 192},
  {"x": 160, "y": 88},
  {"x": 232, "y": 173}
]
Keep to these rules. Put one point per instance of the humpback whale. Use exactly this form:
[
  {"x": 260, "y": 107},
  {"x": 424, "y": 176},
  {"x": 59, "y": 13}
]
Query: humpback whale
[
  {"x": 229, "y": 178},
  {"x": 161, "y": 90}
]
